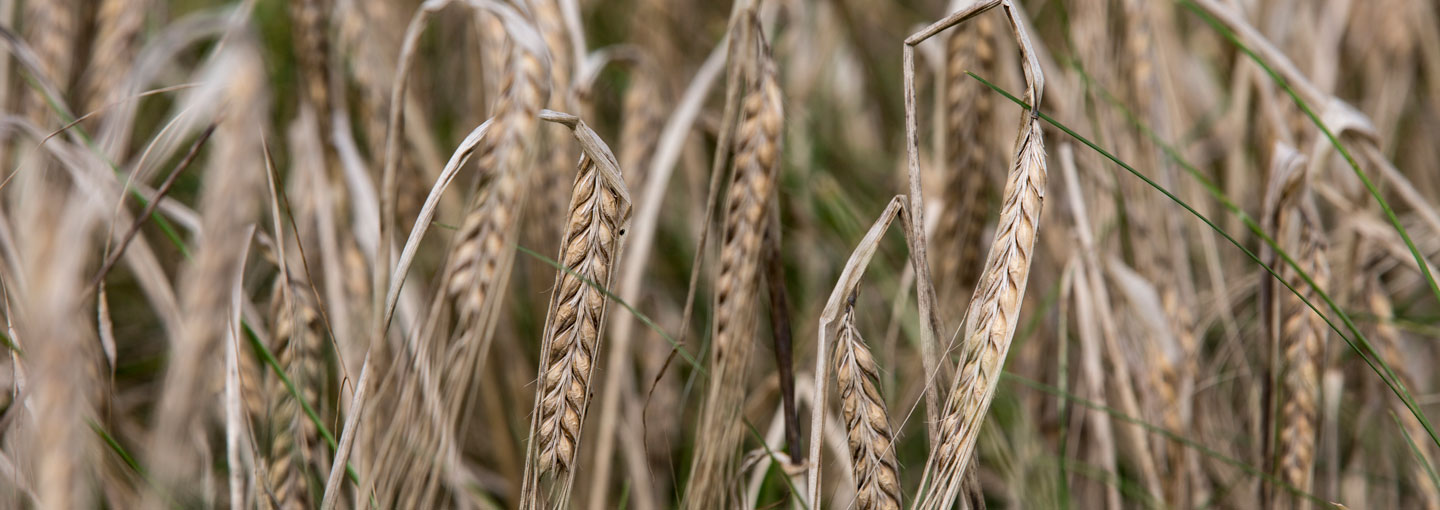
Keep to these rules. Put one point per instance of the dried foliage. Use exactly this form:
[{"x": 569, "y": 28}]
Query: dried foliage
[{"x": 381, "y": 254}]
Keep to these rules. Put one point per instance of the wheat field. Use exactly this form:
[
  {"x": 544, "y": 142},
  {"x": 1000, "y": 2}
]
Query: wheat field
[{"x": 653, "y": 254}]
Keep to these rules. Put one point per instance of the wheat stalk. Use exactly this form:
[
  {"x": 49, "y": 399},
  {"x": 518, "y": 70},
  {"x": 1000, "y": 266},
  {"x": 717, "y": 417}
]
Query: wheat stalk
[
  {"x": 995, "y": 309},
  {"x": 657, "y": 176},
  {"x": 1302, "y": 345},
  {"x": 479, "y": 263},
  {"x": 641, "y": 120},
  {"x": 556, "y": 162},
  {"x": 832, "y": 329},
  {"x": 50, "y": 28},
  {"x": 311, "y": 26},
  {"x": 872, "y": 456},
  {"x": 63, "y": 356},
  {"x": 474, "y": 276},
  {"x": 578, "y": 310},
  {"x": 118, "y": 28},
  {"x": 757, "y": 161}
]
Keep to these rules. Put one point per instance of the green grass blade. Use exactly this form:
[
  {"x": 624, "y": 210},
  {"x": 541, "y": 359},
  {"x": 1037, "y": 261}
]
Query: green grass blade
[{"x": 1415, "y": 449}]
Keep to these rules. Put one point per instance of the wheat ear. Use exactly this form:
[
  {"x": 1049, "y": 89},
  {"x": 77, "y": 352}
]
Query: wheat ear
[
  {"x": 872, "y": 457},
  {"x": 831, "y": 326},
  {"x": 641, "y": 120},
  {"x": 476, "y": 260},
  {"x": 967, "y": 108},
  {"x": 1387, "y": 339},
  {"x": 995, "y": 306},
  {"x": 1302, "y": 345},
  {"x": 599, "y": 209},
  {"x": 757, "y": 161},
  {"x": 297, "y": 343},
  {"x": 1298, "y": 335}
]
